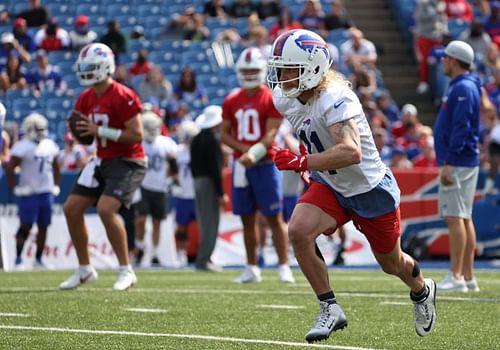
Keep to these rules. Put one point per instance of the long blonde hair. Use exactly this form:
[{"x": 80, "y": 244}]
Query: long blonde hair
[{"x": 331, "y": 75}]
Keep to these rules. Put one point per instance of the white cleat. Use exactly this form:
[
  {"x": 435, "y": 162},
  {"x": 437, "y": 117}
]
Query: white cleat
[
  {"x": 251, "y": 274},
  {"x": 451, "y": 284},
  {"x": 80, "y": 276},
  {"x": 425, "y": 311},
  {"x": 330, "y": 318},
  {"x": 472, "y": 285},
  {"x": 285, "y": 274},
  {"x": 126, "y": 279}
]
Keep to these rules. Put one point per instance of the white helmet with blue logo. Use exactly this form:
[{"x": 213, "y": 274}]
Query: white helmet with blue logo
[
  {"x": 301, "y": 49},
  {"x": 251, "y": 59},
  {"x": 95, "y": 63}
]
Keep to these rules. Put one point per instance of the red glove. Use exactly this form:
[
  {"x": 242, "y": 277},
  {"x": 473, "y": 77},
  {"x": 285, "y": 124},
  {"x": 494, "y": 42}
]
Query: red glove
[{"x": 287, "y": 160}]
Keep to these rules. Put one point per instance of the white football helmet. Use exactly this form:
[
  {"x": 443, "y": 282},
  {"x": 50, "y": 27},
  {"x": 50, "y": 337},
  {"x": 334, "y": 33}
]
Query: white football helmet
[
  {"x": 301, "y": 49},
  {"x": 35, "y": 127},
  {"x": 95, "y": 63},
  {"x": 152, "y": 126},
  {"x": 187, "y": 130},
  {"x": 251, "y": 59}
]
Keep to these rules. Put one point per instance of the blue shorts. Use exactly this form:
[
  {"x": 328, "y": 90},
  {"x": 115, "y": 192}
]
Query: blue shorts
[
  {"x": 289, "y": 203},
  {"x": 36, "y": 208},
  {"x": 264, "y": 191},
  {"x": 184, "y": 211}
]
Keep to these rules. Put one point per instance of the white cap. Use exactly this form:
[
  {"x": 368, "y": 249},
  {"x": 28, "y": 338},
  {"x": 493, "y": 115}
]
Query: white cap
[
  {"x": 409, "y": 108},
  {"x": 212, "y": 116},
  {"x": 7, "y": 37},
  {"x": 460, "y": 51}
]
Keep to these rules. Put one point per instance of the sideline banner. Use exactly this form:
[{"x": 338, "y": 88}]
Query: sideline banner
[{"x": 60, "y": 254}]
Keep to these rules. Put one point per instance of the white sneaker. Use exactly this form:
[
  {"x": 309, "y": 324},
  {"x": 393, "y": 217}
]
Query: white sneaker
[
  {"x": 422, "y": 87},
  {"x": 425, "y": 311},
  {"x": 472, "y": 285},
  {"x": 251, "y": 274},
  {"x": 285, "y": 274},
  {"x": 126, "y": 279},
  {"x": 330, "y": 318},
  {"x": 80, "y": 276},
  {"x": 451, "y": 284}
]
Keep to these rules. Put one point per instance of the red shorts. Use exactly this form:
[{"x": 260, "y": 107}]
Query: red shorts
[{"x": 382, "y": 231}]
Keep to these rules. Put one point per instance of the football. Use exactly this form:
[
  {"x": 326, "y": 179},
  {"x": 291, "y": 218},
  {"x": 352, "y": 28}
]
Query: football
[{"x": 73, "y": 119}]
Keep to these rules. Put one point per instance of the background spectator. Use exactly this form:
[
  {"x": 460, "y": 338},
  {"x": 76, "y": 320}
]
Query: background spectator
[
  {"x": 312, "y": 17},
  {"x": 141, "y": 64},
  {"x": 477, "y": 38},
  {"x": 155, "y": 88},
  {"x": 197, "y": 31},
  {"x": 267, "y": 8},
  {"x": 215, "y": 8},
  {"x": 23, "y": 36},
  {"x": 52, "y": 37},
  {"x": 81, "y": 34},
  {"x": 9, "y": 46},
  {"x": 285, "y": 22},
  {"x": 45, "y": 76},
  {"x": 459, "y": 9},
  {"x": 240, "y": 8},
  {"x": 115, "y": 39},
  {"x": 12, "y": 76},
  {"x": 338, "y": 17},
  {"x": 36, "y": 15},
  {"x": 188, "y": 88},
  {"x": 492, "y": 24}
]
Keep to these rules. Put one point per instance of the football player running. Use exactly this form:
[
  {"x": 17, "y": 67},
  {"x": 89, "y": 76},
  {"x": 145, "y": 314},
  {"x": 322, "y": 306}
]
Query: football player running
[
  {"x": 348, "y": 180},
  {"x": 109, "y": 180},
  {"x": 39, "y": 176},
  {"x": 160, "y": 151},
  {"x": 250, "y": 123}
]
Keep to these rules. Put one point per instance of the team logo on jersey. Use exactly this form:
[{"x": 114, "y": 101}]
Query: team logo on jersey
[{"x": 311, "y": 44}]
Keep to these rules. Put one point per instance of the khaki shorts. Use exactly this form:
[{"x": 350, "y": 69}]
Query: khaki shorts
[{"x": 457, "y": 200}]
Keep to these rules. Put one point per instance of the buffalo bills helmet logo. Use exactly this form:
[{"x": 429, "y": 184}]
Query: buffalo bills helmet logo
[{"x": 311, "y": 44}]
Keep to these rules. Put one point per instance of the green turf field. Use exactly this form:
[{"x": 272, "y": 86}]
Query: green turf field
[{"x": 191, "y": 310}]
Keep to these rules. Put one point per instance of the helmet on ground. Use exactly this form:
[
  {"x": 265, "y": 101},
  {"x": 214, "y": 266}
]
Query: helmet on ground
[
  {"x": 152, "y": 126},
  {"x": 301, "y": 49},
  {"x": 251, "y": 59},
  {"x": 95, "y": 63},
  {"x": 35, "y": 127}
]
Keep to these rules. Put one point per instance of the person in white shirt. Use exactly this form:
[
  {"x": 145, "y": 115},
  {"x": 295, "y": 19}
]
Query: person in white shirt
[
  {"x": 183, "y": 190},
  {"x": 348, "y": 180},
  {"x": 39, "y": 176},
  {"x": 160, "y": 151}
]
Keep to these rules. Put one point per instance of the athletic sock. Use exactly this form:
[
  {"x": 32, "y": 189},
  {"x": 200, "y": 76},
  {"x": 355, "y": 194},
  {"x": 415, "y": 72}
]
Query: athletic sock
[
  {"x": 420, "y": 295},
  {"x": 328, "y": 297}
]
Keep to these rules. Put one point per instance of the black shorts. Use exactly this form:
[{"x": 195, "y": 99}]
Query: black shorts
[
  {"x": 152, "y": 203},
  {"x": 494, "y": 148},
  {"x": 118, "y": 178}
]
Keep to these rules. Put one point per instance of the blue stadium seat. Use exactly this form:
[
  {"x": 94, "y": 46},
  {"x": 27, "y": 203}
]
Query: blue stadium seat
[
  {"x": 59, "y": 10},
  {"x": 126, "y": 20},
  {"x": 161, "y": 57},
  {"x": 58, "y": 107},
  {"x": 145, "y": 10},
  {"x": 89, "y": 10},
  {"x": 456, "y": 27},
  {"x": 114, "y": 10}
]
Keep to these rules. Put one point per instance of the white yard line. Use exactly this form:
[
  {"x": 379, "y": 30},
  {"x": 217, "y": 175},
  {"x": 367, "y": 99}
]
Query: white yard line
[
  {"x": 394, "y": 303},
  {"x": 277, "y": 306},
  {"x": 13, "y": 314},
  {"x": 138, "y": 309},
  {"x": 183, "y": 336},
  {"x": 404, "y": 296}
]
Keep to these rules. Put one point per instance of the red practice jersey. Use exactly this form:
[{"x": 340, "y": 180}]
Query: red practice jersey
[
  {"x": 248, "y": 114},
  {"x": 112, "y": 109}
]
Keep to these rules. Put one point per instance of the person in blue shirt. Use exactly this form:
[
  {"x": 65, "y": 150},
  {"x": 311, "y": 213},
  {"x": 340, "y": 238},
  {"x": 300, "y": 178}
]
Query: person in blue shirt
[
  {"x": 23, "y": 36},
  {"x": 456, "y": 134},
  {"x": 45, "y": 77}
]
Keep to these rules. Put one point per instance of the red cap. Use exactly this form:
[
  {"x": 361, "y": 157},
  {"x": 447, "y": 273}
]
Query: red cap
[
  {"x": 20, "y": 22},
  {"x": 81, "y": 20}
]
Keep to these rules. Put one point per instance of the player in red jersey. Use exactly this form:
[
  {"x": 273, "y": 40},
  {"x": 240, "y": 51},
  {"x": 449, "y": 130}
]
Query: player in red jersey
[
  {"x": 250, "y": 123},
  {"x": 109, "y": 180}
]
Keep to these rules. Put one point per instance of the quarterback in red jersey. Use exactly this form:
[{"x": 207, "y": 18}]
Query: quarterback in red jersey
[
  {"x": 109, "y": 180},
  {"x": 250, "y": 123}
]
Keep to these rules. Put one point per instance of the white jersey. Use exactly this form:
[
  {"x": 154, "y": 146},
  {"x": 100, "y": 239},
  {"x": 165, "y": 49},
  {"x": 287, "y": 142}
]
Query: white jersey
[
  {"x": 158, "y": 152},
  {"x": 186, "y": 184},
  {"x": 37, "y": 161},
  {"x": 311, "y": 123}
]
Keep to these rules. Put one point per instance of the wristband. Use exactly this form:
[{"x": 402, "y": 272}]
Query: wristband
[
  {"x": 258, "y": 151},
  {"x": 109, "y": 133}
]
